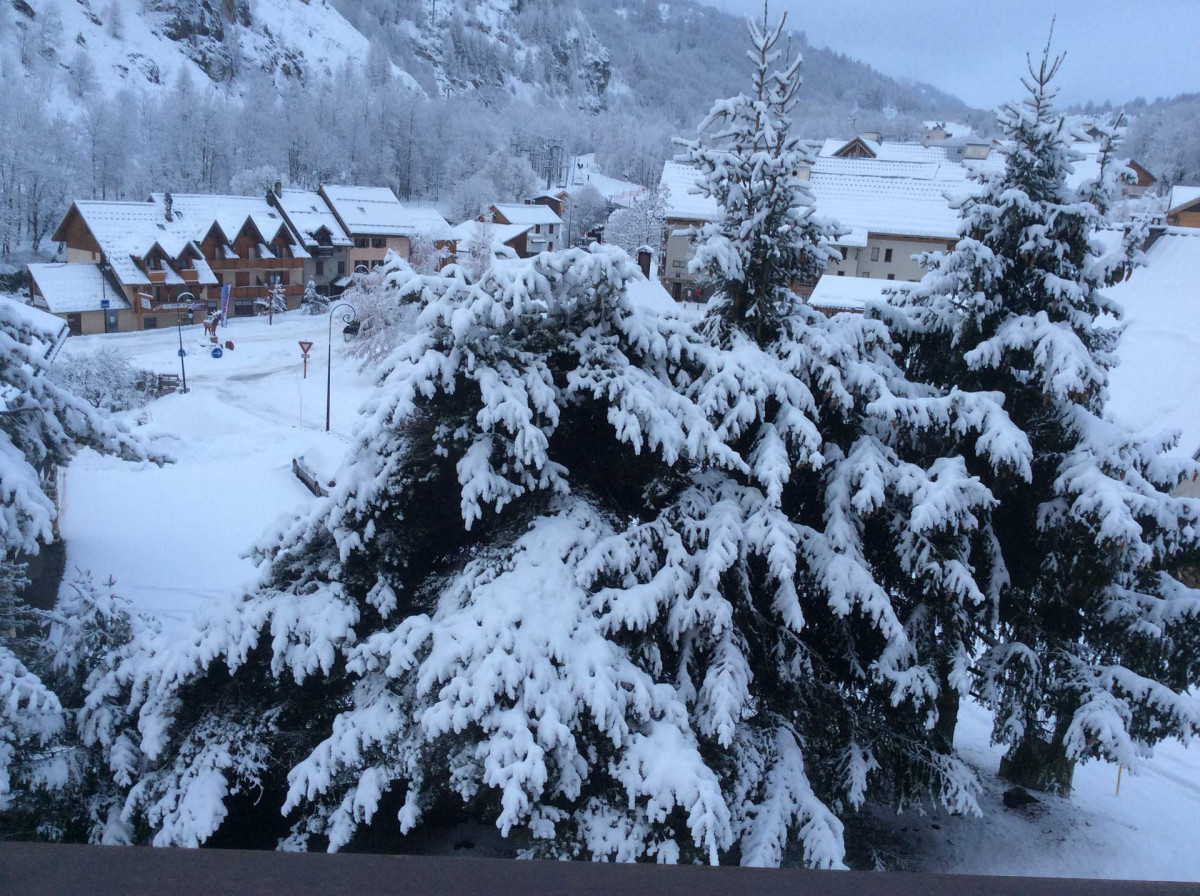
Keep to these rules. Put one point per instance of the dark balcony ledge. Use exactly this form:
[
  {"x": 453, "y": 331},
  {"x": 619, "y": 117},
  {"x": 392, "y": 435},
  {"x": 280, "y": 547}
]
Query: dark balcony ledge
[{"x": 40, "y": 869}]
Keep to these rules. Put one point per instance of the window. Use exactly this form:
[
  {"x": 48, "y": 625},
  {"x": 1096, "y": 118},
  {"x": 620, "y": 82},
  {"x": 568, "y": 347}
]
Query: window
[
  {"x": 377, "y": 242},
  {"x": 241, "y": 278},
  {"x": 341, "y": 269},
  {"x": 361, "y": 242},
  {"x": 537, "y": 228},
  {"x": 677, "y": 264},
  {"x": 845, "y": 253},
  {"x": 891, "y": 276},
  {"x": 874, "y": 253},
  {"x": 841, "y": 273},
  {"x": 864, "y": 274},
  {"x": 887, "y": 255},
  {"x": 75, "y": 324},
  {"x": 149, "y": 323},
  {"x": 320, "y": 268},
  {"x": 243, "y": 308}
]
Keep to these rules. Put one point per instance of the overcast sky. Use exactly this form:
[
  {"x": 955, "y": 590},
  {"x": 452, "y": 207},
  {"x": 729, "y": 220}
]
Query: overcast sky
[{"x": 975, "y": 49}]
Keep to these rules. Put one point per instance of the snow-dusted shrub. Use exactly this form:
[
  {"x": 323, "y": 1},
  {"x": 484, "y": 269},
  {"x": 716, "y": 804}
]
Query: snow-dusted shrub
[
  {"x": 383, "y": 321},
  {"x": 103, "y": 378},
  {"x": 643, "y": 223}
]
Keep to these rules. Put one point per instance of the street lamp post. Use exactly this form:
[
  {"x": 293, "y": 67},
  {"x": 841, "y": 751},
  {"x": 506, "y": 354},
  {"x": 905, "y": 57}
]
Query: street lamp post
[
  {"x": 182, "y": 353},
  {"x": 349, "y": 318}
]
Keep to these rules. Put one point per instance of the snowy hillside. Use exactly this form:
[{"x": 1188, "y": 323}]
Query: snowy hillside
[
  {"x": 584, "y": 54},
  {"x": 90, "y": 46}
]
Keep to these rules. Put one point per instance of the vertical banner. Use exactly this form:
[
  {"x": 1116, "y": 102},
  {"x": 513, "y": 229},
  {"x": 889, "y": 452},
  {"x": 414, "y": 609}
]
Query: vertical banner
[{"x": 225, "y": 304}]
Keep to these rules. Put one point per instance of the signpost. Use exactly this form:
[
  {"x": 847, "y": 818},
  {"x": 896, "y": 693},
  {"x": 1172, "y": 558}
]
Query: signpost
[{"x": 304, "y": 347}]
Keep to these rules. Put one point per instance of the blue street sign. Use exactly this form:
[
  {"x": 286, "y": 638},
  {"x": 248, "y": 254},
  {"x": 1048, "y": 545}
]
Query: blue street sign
[
  {"x": 182, "y": 353},
  {"x": 216, "y": 352},
  {"x": 104, "y": 303}
]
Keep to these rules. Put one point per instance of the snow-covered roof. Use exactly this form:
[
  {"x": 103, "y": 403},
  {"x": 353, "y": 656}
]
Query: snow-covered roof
[
  {"x": 887, "y": 205},
  {"x": 1182, "y": 195},
  {"x": 679, "y": 180},
  {"x": 500, "y": 234},
  {"x": 1152, "y": 387},
  {"x": 308, "y": 213},
  {"x": 889, "y": 151},
  {"x": 49, "y": 329},
  {"x": 127, "y": 231},
  {"x": 375, "y": 211},
  {"x": 952, "y": 128},
  {"x": 833, "y": 293},
  {"x": 194, "y": 214},
  {"x": 941, "y": 170},
  {"x": 529, "y": 215},
  {"x": 69, "y": 288},
  {"x": 860, "y": 203}
]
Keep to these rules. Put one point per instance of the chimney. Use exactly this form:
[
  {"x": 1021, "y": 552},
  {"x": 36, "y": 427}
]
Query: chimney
[
  {"x": 169, "y": 204},
  {"x": 644, "y": 255},
  {"x": 278, "y": 188}
]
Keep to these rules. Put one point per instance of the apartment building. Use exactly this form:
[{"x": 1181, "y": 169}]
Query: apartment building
[{"x": 377, "y": 222}]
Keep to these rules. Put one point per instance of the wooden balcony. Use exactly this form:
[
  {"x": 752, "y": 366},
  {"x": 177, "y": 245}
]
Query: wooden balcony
[
  {"x": 157, "y": 276},
  {"x": 262, "y": 264},
  {"x": 260, "y": 292}
]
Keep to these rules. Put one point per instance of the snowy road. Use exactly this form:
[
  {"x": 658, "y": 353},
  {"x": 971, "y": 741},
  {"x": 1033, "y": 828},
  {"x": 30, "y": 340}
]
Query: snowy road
[{"x": 173, "y": 536}]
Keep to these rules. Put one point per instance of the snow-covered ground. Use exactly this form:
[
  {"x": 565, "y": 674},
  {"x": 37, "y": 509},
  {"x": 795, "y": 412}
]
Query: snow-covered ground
[{"x": 173, "y": 536}]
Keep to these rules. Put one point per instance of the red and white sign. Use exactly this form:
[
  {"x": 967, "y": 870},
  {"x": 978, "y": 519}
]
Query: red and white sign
[{"x": 304, "y": 347}]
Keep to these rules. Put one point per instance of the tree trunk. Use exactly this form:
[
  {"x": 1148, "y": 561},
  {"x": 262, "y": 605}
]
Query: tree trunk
[
  {"x": 1040, "y": 765},
  {"x": 947, "y": 710}
]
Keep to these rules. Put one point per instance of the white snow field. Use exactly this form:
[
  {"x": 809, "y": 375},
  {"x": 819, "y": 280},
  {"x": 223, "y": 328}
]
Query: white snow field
[{"x": 172, "y": 537}]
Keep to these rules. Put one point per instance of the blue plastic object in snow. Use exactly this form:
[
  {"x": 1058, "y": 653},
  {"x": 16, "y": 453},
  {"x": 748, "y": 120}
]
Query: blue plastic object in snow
[
  {"x": 182, "y": 353},
  {"x": 217, "y": 352}
]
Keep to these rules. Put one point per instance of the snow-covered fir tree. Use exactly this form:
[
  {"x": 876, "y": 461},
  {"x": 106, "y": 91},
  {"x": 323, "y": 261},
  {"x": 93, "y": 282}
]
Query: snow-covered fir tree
[
  {"x": 626, "y": 583},
  {"x": 312, "y": 302},
  {"x": 86, "y": 637},
  {"x": 41, "y": 426},
  {"x": 766, "y": 236},
  {"x": 1092, "y": 643}
]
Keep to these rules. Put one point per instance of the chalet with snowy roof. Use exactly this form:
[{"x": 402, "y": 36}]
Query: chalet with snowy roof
[
  {"x": 325, "y": 239},
  {"x": 82, "y": 295},
  {"x": 246, "y": 243},
  {"x": 149, "y": 261},
  {"x": 377, "y": 222},
  {"x": 1183, "y": 206},
  {"x": 555, "y": 199},
  {"x": 887, "y": 219},
  {"x": 543, "y": 228}
]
